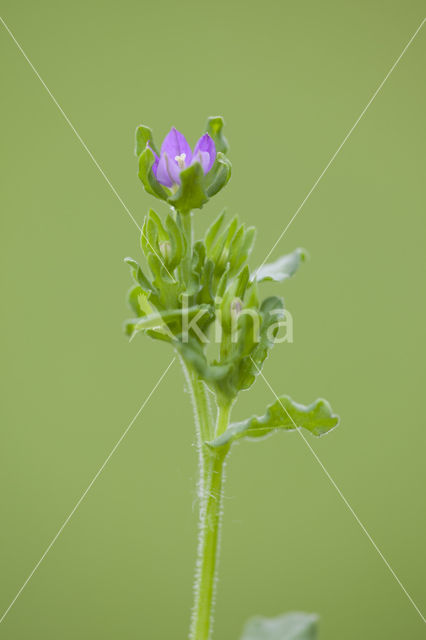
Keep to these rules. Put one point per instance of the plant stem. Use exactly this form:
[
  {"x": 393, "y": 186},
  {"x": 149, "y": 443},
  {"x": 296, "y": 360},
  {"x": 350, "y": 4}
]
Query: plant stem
[
  {"x": 212, "y": 479},
  {"x": 187, "y": 230},
  {"x": 223, "y": 416},
  {"x": 186, "y": 222}
]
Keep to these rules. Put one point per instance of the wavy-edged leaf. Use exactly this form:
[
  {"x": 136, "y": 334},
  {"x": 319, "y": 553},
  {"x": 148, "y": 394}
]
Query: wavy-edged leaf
[
  {"x": 138, "y": 275},
  {"x": 281, "y": 269},
  {"x": 285, "y": 414},
  {"x": 290, "y": 626}
]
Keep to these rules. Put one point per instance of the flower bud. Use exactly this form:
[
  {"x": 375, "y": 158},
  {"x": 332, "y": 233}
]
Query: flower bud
[{"x": 166, "y": 250}]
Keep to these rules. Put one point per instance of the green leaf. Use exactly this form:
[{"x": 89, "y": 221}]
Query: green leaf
[
  {"x": 190, "y": 194},
  {"x": 219, "y": 251},
  {"x": 213, "y": 230},
  {"x": 154, "y": 320},
  {"x": 206, "y": 294},
  {"x": 249, "y": 238},
  {"x": 143, "y": 135},
  {"x": 146, "y": 160},
  {"x": 193, "y": 353},
  {"x": 160, "y": 320},
  {"x": 281, "y": 269},
  {"x": 272, "y": 311},
  {"x": 284, "y": 414},
  {"x": 133, "y": 298},
  {"x": 138, "y": 275},
  {"x": 162, "y": 233},
  {"x": 240, "y": 248},
  {"x": 214, "y": 128},
  {"x": 290, "y": 626}
]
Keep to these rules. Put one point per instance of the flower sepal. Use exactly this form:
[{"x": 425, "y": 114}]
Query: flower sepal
[
  {"x": 147, "y": 177},
  {"x": 143, "y": 136},
  {"x": 191, "y": 194},
  {"x": 219, "y": 175}
]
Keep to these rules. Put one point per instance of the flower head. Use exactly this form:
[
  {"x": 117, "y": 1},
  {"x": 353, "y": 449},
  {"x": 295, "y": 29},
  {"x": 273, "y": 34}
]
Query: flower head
[
  {"x": 184, "y": 178},
  {"x": 176, "y": 155}
]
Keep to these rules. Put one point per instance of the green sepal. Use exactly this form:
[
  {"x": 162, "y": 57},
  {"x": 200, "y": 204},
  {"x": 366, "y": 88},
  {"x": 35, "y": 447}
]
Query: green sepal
[
  {"x": 142, "y": 137},
  {"x": 176, "y": 240},
  {"x": 191, "y": 194},
  {"x": 290, "y": 626},
  {"x": 219, "y": 175},
  {"x": 284, "y": 414},
  {"x": 146, "y": 175},
  {"x": 162, "y": 233},
  {"x": 214, "y": 128},
  {"x": 281, "y": 269},
  {"x": 149, "y": 236}
]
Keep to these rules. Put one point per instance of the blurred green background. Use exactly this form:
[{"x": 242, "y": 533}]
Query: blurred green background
[{"x": 290, "y": 80}]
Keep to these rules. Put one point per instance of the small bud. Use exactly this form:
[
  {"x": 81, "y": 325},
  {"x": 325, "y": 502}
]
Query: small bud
[
  {"x": 236, "y": 307},
  {"x": 166, "y": 250}
]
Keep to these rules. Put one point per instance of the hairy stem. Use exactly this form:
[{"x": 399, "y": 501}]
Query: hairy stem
[
  {"x": 208, "y": 546},
  {"x": 212, "y": 465}
]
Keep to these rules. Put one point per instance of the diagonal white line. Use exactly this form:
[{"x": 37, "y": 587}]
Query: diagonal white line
[
  {"x": 347, "y": 136},
  {"x": 83, "y": 144},
  {"x": 84, "y": 494},
  {"x": 333, "y": 482}
]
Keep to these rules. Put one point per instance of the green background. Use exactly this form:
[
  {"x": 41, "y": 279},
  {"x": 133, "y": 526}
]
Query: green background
[{"x": 290, "y": 79}]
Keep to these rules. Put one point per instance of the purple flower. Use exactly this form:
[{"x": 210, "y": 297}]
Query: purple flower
[{"x": 176, "y": 155}]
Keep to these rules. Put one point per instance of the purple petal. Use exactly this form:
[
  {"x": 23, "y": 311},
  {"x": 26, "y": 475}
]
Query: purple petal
[
  {"x": 206, "y": 144},
  {"x": 175, "y": 144},
  {"x": 157, "y": 160},
  {"x": 203, "y": 157},
  {"x": 167, "y": 171}
]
